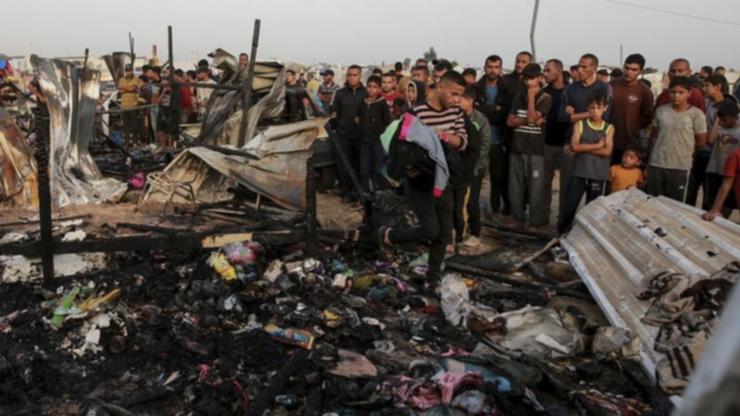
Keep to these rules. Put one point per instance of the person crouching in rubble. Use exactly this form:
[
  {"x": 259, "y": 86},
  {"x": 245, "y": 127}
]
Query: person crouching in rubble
[{"x": 424, "y": 152}]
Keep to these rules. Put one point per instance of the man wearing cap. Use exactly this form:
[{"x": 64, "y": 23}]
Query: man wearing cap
[
  {"x": 128, "y": 89},
  {"x": 327, "y": 89}
]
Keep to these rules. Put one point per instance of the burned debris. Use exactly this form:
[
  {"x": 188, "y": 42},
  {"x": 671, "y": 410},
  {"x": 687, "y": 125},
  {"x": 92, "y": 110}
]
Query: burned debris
[{"x": 221, "y": 278}]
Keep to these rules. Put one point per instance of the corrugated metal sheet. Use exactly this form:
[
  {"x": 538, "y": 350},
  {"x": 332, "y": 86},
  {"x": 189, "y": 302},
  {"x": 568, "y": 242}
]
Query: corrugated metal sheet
[
  {"x": 276, "y": 170},
  {"x": 620, "y": 241},
  {"x": 18, "y": 186}
]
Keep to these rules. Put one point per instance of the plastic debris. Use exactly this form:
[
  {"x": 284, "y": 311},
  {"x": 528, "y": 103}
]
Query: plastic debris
[
  {"x": 455, "y": 299},
  {"x": 222, "y": 266},
  {"x": 296, "y": 337}
]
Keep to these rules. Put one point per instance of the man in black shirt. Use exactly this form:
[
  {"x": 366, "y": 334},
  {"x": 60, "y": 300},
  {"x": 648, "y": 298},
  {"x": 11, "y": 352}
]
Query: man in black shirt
[
  {"x": 511, "y": 85},
  {"x": 555, "y": 130},
  {"x": 346, "y": 108}
]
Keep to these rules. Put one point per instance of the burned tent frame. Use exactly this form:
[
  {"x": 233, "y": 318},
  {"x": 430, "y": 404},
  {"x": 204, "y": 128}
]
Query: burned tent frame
[{"x": 47, "y": 247}]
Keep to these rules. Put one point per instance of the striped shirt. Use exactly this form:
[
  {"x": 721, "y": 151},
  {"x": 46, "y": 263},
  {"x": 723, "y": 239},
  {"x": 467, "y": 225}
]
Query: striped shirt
[
  {"x": 529, "y": 138},
  {"x": 451, "y": 120}
]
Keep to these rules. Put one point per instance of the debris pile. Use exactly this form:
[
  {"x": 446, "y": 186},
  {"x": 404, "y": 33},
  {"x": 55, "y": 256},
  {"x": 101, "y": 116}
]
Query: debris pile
[{"x": 254, "y": 327}]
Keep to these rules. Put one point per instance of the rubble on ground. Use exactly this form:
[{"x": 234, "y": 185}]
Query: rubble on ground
[{"x": 247, "y": 327}]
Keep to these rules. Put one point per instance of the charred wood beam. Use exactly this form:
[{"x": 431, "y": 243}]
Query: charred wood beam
[
  {"x": 46, "y": 246},
  {"x": 30, "y": 222},
  {"x": 312, "y": 237},
  {"x": 525, "y": 232},
  {"x": 248, "y": 83},
  {"x": 503, "y": 278},
  {"x": 179, "y": 241}
]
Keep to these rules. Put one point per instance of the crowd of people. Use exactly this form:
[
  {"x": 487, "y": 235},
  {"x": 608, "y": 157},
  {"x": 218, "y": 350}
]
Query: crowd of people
[
  {"x": 153, "y": 109},
  {"x": 437, "y": 134}
]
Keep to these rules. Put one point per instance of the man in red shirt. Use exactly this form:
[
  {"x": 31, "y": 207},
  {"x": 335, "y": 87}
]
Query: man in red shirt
[
  {"x": 392, "y": 97},
  {"x": 187, "y": 103},
  {"x": 680, "y": 67},
  {"x": 730, "y": 184}
]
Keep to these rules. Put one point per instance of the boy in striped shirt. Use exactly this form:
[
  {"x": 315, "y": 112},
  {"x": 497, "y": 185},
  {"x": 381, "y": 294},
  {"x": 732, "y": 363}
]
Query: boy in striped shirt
[
  {"x": 442, "y": 113},
  {"x": 527, "y": 179}
]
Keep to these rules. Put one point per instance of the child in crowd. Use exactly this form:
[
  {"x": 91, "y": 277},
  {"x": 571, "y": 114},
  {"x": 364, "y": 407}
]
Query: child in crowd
[
  {"x": 480, "y": 122},
  {"x": 628, "y": 174},
  {"x": 467, "y": 199},
  {"x": 374, "y": 118},
  {"x": 725, "y": 199},
  {"x": 591, "y": 146},
  {"x": 678, "y": 130},
  {"x": 724, "y": 139}
]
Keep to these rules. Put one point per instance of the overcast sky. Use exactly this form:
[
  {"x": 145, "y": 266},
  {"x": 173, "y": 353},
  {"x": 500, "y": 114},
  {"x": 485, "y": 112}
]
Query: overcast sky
[{"x": 369, "y": 32}]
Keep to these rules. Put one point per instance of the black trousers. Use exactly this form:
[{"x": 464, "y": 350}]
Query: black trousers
[
  {"x": 474, "y": 205},
  {"x": 371, "y": 164},
  {"x": 574, "y": 189},
  {"x": 696, "y": 179},
  {"x": 131, "y": 126},
  {"x": 672, "y": 183},
  {"x": 352, "y": 148},
  {"x": 460, "y": 211},
  {"x": 499, "y": 173},
  {"x": 435, "y": 225}
]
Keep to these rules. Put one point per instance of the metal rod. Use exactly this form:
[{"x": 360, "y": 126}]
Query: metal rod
[
  {"x": 533, "y": 28},
  {"x": 248, "y": 83},
  {"x": 124, "y": 110},
  {"x": 174, "y": 93},
  {"x": 215, "y": 86}
]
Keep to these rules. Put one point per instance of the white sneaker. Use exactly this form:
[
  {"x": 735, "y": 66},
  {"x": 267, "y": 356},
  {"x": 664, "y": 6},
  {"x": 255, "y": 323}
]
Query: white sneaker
[{"x": 472, "y": 241}]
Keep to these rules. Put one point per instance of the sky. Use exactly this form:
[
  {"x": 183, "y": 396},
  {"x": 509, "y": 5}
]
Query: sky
[{"x": 373, "y": 32}]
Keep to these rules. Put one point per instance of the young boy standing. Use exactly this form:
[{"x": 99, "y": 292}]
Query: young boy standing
[
  {"x": 678, "y": 130},
  {"x": 730, "y": 185},
  {"x": 591, "y": 147},
  {"x": 628, "y": 173},
  {"x": 724, "y": 139},
  {"x": 374, "y": 118},
  {"x": 527, "y": 179},
  {"x": 471, "y": 201}
]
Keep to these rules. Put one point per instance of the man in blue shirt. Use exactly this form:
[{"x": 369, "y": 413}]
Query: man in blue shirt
[
  {"x": 573, "y": 108},
  {"x": 487, "y": 102}
]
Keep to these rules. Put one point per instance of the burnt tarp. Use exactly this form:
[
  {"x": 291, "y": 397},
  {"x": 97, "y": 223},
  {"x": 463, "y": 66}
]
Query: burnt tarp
[
  {"x": 628, "y": 244},
  {"x": 223, "y": 118},
  {"x": 18, "y": 186},
  {"x": 274, "y": 166},
  {"x": 72, "y": 95},
  {"x": 116, "y": 63}
]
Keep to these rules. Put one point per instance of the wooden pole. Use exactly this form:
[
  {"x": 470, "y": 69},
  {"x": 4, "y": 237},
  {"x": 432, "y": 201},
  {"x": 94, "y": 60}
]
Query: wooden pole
[
  {"x": 42, "y": 166},
  {"x": 312, "y": 237},
  {"x": 248, "y": 83}
]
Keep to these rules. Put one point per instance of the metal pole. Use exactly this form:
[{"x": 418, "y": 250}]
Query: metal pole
[
  {"x": 174, "y": 93},
  {"x": 621, "y": 54},
  {"x": 532, "y": 29},
  {"x": 131, "y": 48},
  {"x": 248, "y": 83}
]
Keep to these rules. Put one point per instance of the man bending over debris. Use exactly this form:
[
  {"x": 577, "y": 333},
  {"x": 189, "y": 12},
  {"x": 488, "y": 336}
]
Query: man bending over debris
[{"x": 424, "y": 152}]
